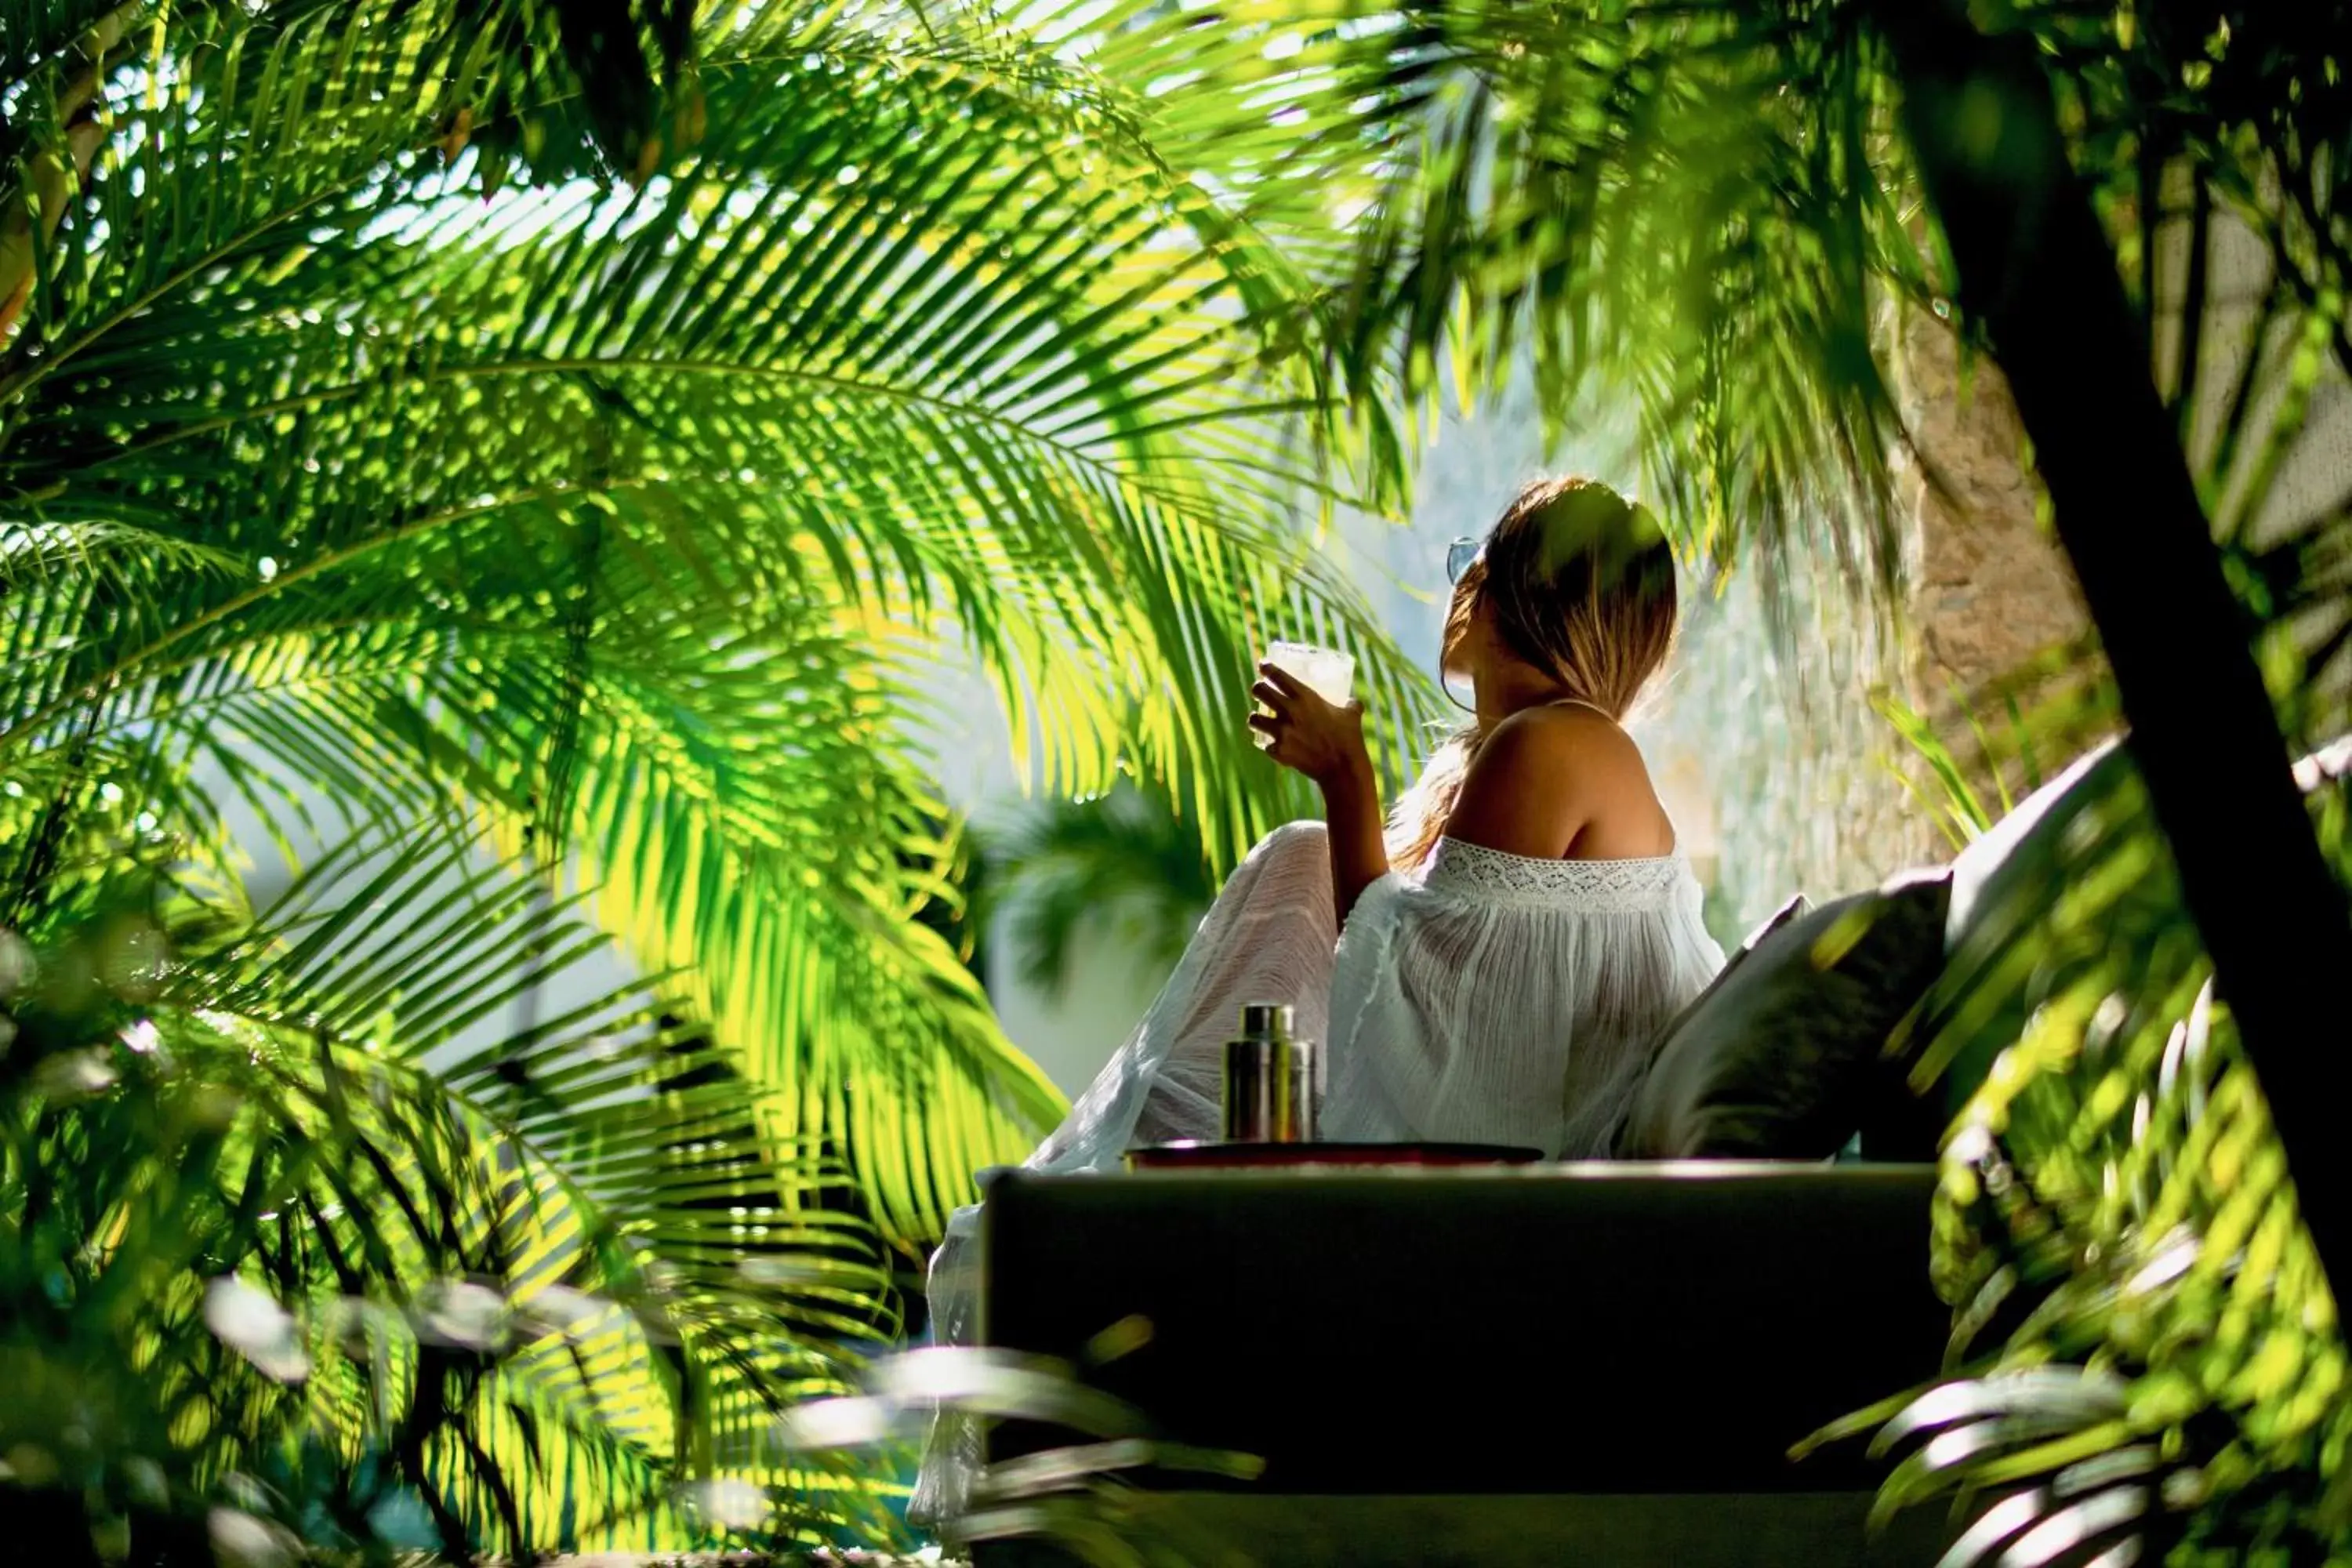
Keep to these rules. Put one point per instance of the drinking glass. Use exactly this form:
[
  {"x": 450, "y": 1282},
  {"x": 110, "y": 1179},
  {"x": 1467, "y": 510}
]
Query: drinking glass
[{"x": 1326, "y": 672}]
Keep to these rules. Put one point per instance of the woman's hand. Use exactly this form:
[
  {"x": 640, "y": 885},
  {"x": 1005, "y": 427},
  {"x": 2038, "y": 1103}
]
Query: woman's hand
[
  {"x": 1324, "y": 741},
  {"x": 1327, "y": 744}
]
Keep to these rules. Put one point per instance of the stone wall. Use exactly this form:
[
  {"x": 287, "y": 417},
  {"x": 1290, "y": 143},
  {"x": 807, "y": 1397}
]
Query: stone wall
[
  {"x": 1989, "y": 591},
  {"x": 1989, "y": 588},
  {"x": 1813, "y": 789},
  {"x": 1799, "y": 769}
]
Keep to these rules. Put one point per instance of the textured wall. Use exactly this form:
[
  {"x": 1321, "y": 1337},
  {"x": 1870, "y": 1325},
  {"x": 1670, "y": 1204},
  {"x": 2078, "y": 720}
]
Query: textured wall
[
  {"x": 1989, "y": 588},
  {"x": 1798, "y": 765},
  {"x": 1989, "y": 591}
]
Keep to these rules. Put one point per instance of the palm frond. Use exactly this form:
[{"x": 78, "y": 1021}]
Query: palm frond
[
  {"x": 1073, "y": 866},
  {"x": 1620, "y": 198},
  {"x": 848, "y": 385},
  {"x": 2146, "y": 1349},
  {"x": 527, "y": 1227}
]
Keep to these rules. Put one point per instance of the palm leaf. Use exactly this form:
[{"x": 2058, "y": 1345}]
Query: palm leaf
[
  {"x": 544, "y": 1240},
  {"x": 2145, "y": 1349},
  {"x": 995, "y": 402}
]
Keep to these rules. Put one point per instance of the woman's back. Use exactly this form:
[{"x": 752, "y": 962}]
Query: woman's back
[
  {"x": 1489, "y": 996},
  {"x": 1506, "y": 988}
]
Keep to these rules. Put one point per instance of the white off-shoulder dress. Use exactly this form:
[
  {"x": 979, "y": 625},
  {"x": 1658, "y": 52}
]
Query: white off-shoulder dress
[{"x": 1479, "y": 997}]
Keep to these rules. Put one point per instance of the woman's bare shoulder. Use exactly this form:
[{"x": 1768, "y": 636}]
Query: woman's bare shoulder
[
  {"x": 1558, "y": 735},
  {"x": 1547, "y": 777}
]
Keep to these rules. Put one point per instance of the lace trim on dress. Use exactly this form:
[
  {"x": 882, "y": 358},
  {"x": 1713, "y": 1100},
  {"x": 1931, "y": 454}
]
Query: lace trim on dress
[{"x": 1605, "y": 885}]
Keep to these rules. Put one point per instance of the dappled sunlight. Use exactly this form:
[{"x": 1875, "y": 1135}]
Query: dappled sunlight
[{"x": 645, "y": 646}]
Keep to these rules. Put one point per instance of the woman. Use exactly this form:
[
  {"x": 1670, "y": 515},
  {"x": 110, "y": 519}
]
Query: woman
[{"x": 1506, "y": 950}]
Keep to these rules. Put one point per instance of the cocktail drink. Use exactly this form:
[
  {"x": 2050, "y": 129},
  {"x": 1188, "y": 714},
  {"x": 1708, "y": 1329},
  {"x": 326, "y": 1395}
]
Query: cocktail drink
[{"x": 1326, "y": 672}]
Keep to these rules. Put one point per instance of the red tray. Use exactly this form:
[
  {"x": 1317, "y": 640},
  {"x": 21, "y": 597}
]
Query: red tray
[{"x": 1191, "y": 1156}]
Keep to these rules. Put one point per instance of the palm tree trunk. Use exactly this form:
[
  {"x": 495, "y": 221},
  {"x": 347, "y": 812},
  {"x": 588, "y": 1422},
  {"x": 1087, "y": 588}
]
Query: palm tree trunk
[{"x": 2036, "y": 275}]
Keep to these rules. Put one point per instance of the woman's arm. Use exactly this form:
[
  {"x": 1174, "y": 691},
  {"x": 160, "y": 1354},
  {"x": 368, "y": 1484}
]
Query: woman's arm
[
  {"x": 1327, "y": 743},
  {"x": 1351, "y": 811}
]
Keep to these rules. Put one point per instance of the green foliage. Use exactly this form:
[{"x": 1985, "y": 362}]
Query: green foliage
[
  {"x": 1949, "y": 796},
  {"x": 1117, "y": 862},
  {"x": 314, "y": 1186},
  {"x": 581, "y": 433},
  {"x": 1623, "y": 197},
  {"x": 2145, "y": 1345},
  {"x": 689, "y": 486},
  {"x": 1961, "y": 770},
  {"x": 369, "y": 457}
]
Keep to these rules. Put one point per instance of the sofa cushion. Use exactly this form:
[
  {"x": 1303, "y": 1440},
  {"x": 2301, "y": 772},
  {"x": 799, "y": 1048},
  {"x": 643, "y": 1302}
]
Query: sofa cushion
[
  {"x": 1796, "y": 908},
  {"x": 1783, "y": 1056},
  {"x": 1999, "y": 886}
]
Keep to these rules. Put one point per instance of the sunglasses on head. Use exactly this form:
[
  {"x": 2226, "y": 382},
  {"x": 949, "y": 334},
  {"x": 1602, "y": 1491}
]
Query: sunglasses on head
[{"x": 1459, "y": 556}]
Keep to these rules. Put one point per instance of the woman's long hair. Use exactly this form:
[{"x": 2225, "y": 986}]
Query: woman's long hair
[{"x": 1579, "y": 582}]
